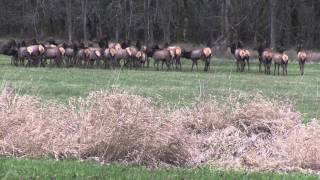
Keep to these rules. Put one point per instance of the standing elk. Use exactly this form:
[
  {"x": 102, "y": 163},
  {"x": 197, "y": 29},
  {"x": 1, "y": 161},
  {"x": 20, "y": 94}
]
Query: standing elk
[
  {"x": 55, "y": 53},
  {"x": 93, "y": 55},
  {"x": 177, "y": 56},
  {"x": 302, "y": 58},
  {"x": 108, "y": 58},
  {"x": 281, "y": 59},
  {"x": 35, "y": 54},
  {"x": 205, "y": 54},
  {"x": 9, "y": 48},
  {"x": 80, "y": 55},
  {"x": 70, "y": 54},
  {"x": 267, "y": 56},
  {"x": 160, "y": 55},
  {"x": 241, "y": 55}
]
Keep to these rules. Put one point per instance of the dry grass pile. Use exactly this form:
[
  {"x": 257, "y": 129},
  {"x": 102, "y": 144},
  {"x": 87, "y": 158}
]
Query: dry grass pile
[{"x": 119, "y": 127}]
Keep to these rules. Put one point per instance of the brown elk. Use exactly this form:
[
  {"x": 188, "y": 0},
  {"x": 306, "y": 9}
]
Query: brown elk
[
  {"x": 108, "y": 57},
  {"x": 53, "y": 52},
  {"x": 267, "y": 56},
  {"x": 140, "y": 58},
  {"x": 205, "y": 54},
  {"x": 177, "y": 56},
  {"x": 281, "y": 59},
  {"x": 93, "y": 55},
  {"x": 80, "y": 55},
  {"x": 9, "y": 48},
  {"x": 241, "y": 55},
  {"x": 22, "y": 53},
  {"x": 35, "y": 54},
  {"x": 302, "y": 58},
  {"x": 122, "y": 54},
  {"x": 70, "y": 53}
]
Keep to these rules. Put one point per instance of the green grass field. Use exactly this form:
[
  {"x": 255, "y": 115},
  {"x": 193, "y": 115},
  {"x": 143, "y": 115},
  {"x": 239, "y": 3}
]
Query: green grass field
[
  {"x": 163, "y": 87},
  {"x": 49, "y": 169}
]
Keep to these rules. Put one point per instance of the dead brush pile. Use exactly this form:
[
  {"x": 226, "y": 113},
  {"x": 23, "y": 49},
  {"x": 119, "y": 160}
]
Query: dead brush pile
[{"x": 119, "y": 127}]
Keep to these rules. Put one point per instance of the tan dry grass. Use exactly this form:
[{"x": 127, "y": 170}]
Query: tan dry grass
[{"x": 118, "y": 127}]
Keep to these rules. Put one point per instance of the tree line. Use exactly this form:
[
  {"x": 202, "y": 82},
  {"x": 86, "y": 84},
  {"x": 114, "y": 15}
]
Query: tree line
[{"x": 275, "y": 22}]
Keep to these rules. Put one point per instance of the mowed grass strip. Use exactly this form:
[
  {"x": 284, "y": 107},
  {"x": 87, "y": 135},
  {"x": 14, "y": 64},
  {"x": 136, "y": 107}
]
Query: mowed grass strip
[
  {"x": 169, "y": 87},
  {"x": 50, "y": 169}
]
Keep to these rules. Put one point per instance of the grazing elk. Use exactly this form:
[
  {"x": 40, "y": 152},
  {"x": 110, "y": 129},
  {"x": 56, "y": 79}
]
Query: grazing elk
[
  {"x": 281, "y": 59},
  {"x": 302, "y": 58},
  {"x": 205, "y": 54}
]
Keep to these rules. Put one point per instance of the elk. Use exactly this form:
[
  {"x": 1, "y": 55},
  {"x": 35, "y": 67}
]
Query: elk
[
  {"x": 160, "y": 55},
  {"x": 35, "y": 54},
  {"x": 92, "y": 54},
  {"x": 267, "y": 56},
  {"x": 177, "y": 56},
  {"x": 122, "y": 54},
  {"x": 241, "y": 55},
  {"x": 9, "y": 48},
  {"x": 22, "y": 53},
  {"x": 281, "y": 59},
  {"x": 205, "y": 54},
  {"x": 108, "y": 57},
  {"x": 56, "y": 53},
  {"x": 140, "y": 59},
  {"x": 70, "y": 53},
  {"x": 80, "y": 54},
  {"x": 302, "y": 58}
]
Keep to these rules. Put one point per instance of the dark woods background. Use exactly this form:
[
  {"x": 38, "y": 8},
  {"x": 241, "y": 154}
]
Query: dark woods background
[{"x": 279, "y": 22}]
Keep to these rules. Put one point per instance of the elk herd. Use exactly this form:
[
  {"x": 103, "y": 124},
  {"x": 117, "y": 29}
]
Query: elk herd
[{"x": 31, "y": 53}]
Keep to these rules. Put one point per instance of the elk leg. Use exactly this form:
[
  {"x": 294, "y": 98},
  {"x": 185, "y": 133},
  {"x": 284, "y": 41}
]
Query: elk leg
[
  {"x": 192, "y": 65},
  {"x": 197, "y": 65}
]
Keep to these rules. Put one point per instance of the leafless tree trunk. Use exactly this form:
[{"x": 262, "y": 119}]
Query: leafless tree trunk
[
  {"x": 69, "y": 20},
  {"x": 272, "y": 37},
  {"x": 84, "y": 16}
]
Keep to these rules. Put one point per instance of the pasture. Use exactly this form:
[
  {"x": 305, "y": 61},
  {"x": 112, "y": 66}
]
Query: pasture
[
  {"x": 176, "y": 89},
  {"x": 170, "y": 87}
]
